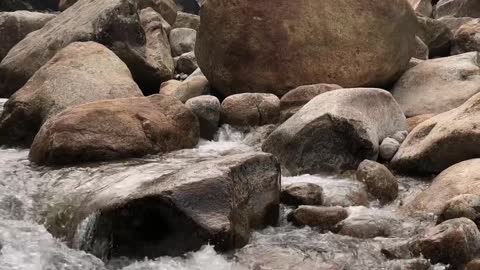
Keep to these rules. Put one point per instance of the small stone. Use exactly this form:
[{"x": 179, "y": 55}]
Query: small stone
[
  {"x": 302, "y": 194},
  {"x": 186, "y": 63},
  {"x": 380, "y": 182},
  {"x": 318, "y": 216},
  {"x": 400, "y": 136},
  {"x": 389, "y": 148}
]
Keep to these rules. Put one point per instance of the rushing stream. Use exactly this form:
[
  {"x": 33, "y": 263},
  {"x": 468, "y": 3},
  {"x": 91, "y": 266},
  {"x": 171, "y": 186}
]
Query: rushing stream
[{"x": 26, "y": 244}]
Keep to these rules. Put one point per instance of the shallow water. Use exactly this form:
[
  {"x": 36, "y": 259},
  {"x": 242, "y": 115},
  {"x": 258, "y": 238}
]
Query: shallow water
[{"x": 26, "y": 244}]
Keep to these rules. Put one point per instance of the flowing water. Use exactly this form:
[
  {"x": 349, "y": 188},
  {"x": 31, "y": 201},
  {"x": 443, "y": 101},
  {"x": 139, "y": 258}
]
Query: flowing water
[{"x": 25, "y": 244}]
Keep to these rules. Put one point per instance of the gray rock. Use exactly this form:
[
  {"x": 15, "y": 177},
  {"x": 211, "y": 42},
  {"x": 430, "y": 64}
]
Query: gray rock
[
  {"x": 186, "y": 63},
  {"x": 207, "y": 110},
  {"x": 318, "y": 216},
  {"x": 182, "y": 40},
  {"x": 388, "y": 148},
  {"x": 302, "y": 194},
  {"x": 438, "y": 85},
  {"x": 400, "y": 136},
  {"x": 336, "y": 131},
  {"x": 379, "y": 180},
  {"x": 189, "y": 88},
  {"x": 457, "y": 8},
  {"x": 250, "y": 109},
  {"x": 14, "y": 26},
  {"x": 80, "y": 73}
]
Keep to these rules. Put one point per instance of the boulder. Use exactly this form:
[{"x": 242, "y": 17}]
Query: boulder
[
  {"x": 250, "y": 109},
  {"x": 441, "y": 141},
  {"x": 459, "y": 179},
  {"x": 438, "y": 85},
  {"x": 14, "y": 26},
  {"x": 467, "y": 38},
  {"x": 207, "y": 110},
  {"x": 400, "y": 136},
  {"x": 318, "y": 216},
  {"x": 113, "y": 23},
  {"x": 379, "y": 180},
  {"x": 423, "y": 7},
  {"x": 241, "y": 53},
  {"x": 294, "y": 100},
  {"x": 115, "y": 129},
  {"x": 414, "y": 121},
  {"x": 455, "y": 242},
  {"x": 466, "y": 205},
  {"x": 172, "y": 209},
  {"x": 388, "y": 148},
  {"x": 187, "y": 20},
  {"x": 190, "y": 88},
  {"x": 302, "y": 194},
  {"x": 80, "y": 73},
  {"x": 186, "y": 63},
  {"x": 13, "y": 5},
  {"x": 336, "y": 131},
  {"x": 436, "y": 35},
  {"x": 457, "y": 8},
  {"x": 182, "y": 40}
]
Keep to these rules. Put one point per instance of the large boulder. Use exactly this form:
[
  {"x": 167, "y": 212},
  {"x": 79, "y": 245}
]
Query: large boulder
[
  {"x": 467, "y": 38},
  {"x": 441, "y": 141},
  {"x": 438, "y": 85},
  {"x": 113, "y": 23},
  {"x": 171, "y": 209},
  {"x": 250, "y": 109},
  {"x": 116, "y": 129},
  {"x": 80, "y": 73},
  {"x": 457, "y": 8},
  {"x": 461, "y": 178},
  {"x": 336, "y": 130},
  {"x": 253, "y": 46},
  {"x": 14, "y": 26}
]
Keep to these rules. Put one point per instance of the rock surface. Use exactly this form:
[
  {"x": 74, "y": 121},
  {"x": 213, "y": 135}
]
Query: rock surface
[
  {"x": 207, "y": 109},
  {"x": 318, "y": 216},
  {"x": 438, "y": 85},
  {"x": 388, "y": 148},
  {"x": 423, "y": 7},
  {"x": 466, "y": 205},
  {"x": 379, "y": 180},
  {"x": 113, "y": 23},
  {"x": 302, "y": 194},
  {"x": 239, "y": 54},
  {"x": 457, "y": 8},
  {"x": 14, "y": 26},
  {"x": 441, "y": 141},
  {"x": 116, "y": 129},
  {"x": 187, "y": 20},
  {"x": 186, "y": 63},
  {"x": 182, "y": 40},
  {"x": 172, "y": 210},
  {"x": 467, "y": 38},
  {"x": 336, "y": 131},
  {"x": 436, "y": 35},
  {"x": 414, "y": 121},
  {"x": 190, "y": 88},
  {"x": 80, "y": 73},
  {"x": 250, "y": 109}
]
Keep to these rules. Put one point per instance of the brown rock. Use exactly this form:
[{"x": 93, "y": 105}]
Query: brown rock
[
  {"x": 467, "y": 38},
  {"x": 466, "y": 205},
  {"x": 190, "y": 88},
  {"x": 414, "y": 121},
  {"x": 379, "y": 180},
  {"x": 187, "y": 20},
  {"x": 207, "y": 110},
  {"x": 250, "y": 109},
  {"x": 317, "y": 216}
]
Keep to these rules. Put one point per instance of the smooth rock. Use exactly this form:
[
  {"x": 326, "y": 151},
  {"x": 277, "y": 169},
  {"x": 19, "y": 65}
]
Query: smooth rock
[
  {"x": 186, "y": 63},
  {"x": 466, "y": 205},
  {"x": 189, "y": 88},
  {"x": 441, "y": 141},
  {"x": 438, "y": 85},
  {"x": 295, "y": 99},
  {"x": 182, "y": 40},
  {"x": 388, "y": 148},
  {"x": 80, "y": 73},
  {"x": 187, "y": 20},
  {"x": 318, "y": 216},
  {"x": 400, "y": 136},
  {"x": 457, "y": 8},
  {"x": 379, "y": 180},
  {"x": 250, "y": 109},
  {"x": 207, "y": 110},
  {"x": 302, "y": 194},
  {"x": 413, "y": 122},
  {"x": 252, "y": 46},
  {"x": 116, "y": 129},
  {"x": 454, "y": 242},
  {"x": 336, "y": 131},
  {"x": 14, "y": 26},
  {"x": 467, "y": 38}
]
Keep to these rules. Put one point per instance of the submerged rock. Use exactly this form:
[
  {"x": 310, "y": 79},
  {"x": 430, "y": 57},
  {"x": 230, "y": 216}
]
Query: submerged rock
[
  {"x": 336, "y": 131},
  {"x": 250, "y": 109},
  {"x": 171, "y": 210},
  {"x": 82, "y": 72},
  {"x": 302, "y": 194},
  {"x": 116, "y": 129},
  {"x": 252, "y": 46},
  {"x": 323, "y": 217}
]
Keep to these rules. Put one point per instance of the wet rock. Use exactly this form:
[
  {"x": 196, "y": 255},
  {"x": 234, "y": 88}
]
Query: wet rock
[
  {"x": 182, "y": 40},
  {"x": 250, "y": 109},
  {"x": 336, "y": 131},
  {"x": 457, "y": 8},
  {"x": 344, "y": 193},
  {"x": 302, "y": 194},
  {"x": 379, "y": 180},
  {"x": 441, "y": 141},
  {"x": 423, "y": 7},
  {"x": 421, "y": 49},
  {"x": 466, "y": 205},
  {"x": 318, "y": 216},
  {"x": 455, "y": 242},
  {"x": 467, "y": 38},
  {"x": 172, "y": 211},
  {"x": 187, "y": 20},
  {"x": 413, "y": 122},
  {"x": 461, "y": 178},
  {"x": 388, "y": 148},
  {"x": 80, "y": 73},
  {"x": 190, "y": 88},
  {"x": 438, "y": 85},
  {"x": 258, "y": 135},
  {"x": 116, "y": 129},
  {"x": 436, "y": 35},
  {"x": 240, "y": 54},
  {"x": 473, "y": 264},
  {"x": 186, "y": 63},
  {"x": 207, "y": 110},
  {"x": 14, "y": 26},
  {"x": 113, "y": 23},
  {"x": 295, "y": 99}
]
